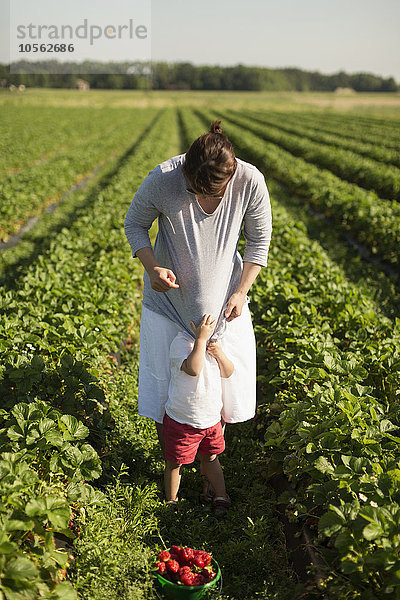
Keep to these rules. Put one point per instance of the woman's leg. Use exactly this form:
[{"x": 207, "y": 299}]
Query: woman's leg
[
  {"x": 239, "y": 390},
  {"x": 156, "y": 335},
  {"x": 159, "y": 428},
  {"x": 172, "y": 480},
  {"x": 211, "y": 468}
]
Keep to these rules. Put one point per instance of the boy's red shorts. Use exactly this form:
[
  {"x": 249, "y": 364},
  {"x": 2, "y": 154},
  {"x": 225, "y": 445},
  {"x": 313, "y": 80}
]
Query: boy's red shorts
[{"x": 182, "y": 442}]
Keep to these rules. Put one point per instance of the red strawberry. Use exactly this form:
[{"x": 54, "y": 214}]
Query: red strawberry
[
  {"x": 183, "y": 570},
  {"x": 208, "y": 573},
  {"x": 175, "y": 549},
  {"x": 206, "y": 557},
  {"x": 199, "y": 561},
  {"x": 188, "y": 579},
  {"x": 164, "y": 555},
  {"x": 198, "y": 579},
  {"x": 186, "y": 554},
  {"x": 175, "y": 556},
  {"x": 173, "y": 566},
  {"x": 161, "y": 567}
]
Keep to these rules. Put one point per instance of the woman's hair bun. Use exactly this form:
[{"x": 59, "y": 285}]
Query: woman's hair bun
[{"x": 215, "y": 127}]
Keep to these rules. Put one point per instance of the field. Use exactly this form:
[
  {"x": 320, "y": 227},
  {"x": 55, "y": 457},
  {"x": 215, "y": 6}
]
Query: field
[{"x": 315, "y": 478}]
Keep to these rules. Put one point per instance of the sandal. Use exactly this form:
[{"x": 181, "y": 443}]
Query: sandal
[
  {"x": 173, "y": 504},
  {"x": 221, "y": 505},
  {"x": 208, "y": 494}
]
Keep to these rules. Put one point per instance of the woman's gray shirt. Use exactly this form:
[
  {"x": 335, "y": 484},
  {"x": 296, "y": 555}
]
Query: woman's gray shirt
[{"x": 200, "y": 248}]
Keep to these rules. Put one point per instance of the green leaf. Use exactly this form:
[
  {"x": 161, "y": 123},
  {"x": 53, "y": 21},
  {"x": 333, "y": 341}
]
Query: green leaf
[
  {"x": 359, "y": 464},
  {"x": 386, "y": 425},
  {"x": 372, "y": 531},
  {"x": 20, "y": 569},
  {"x": 74, "y": 429},
  {"x": 342, "y": 472},
  {"x": 54, "y": 437},
  {"x": 323, "y": 465},
  {"x": 329, "y": 361},
  {"x": 330, "y": 523},
  {"x": 7, "y": 547},
  {"x": 18, "y": 525},
  {"x": 64, "y": 591},
  {"x": 36, "y": 507},
  {"x": 311, "y": 447},
  {"x": 344, "y": 542},
  {"x": 45, "y": 425}
]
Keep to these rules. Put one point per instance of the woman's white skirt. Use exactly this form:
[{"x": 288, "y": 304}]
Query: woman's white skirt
[{"x": 238, "y": 342}]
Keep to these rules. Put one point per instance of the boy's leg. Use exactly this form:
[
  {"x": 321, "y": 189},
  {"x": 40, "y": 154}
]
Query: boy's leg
[
  {"x": 211, "y": 468},
  {"x": 208, "y": 487},
  {"x": 172, "y": 479}
]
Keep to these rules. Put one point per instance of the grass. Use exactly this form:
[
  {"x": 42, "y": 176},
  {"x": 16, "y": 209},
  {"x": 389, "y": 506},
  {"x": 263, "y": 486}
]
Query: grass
[{"x": 374, "y": 104}]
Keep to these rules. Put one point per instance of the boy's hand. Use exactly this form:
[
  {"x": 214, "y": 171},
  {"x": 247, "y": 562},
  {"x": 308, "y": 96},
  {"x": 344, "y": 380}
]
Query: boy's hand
[
  {"x": 205, "y": 329},
  {"x": 214, "y": 349}
]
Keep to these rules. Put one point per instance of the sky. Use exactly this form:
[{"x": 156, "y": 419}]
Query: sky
[{"x": 318, "y": 35}]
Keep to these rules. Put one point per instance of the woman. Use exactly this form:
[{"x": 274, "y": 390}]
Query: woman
[{"x": 201, "y": 199}]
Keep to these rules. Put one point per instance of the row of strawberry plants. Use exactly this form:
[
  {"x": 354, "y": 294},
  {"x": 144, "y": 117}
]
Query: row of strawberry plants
[
  {"x": 385, "y": 133},
  {"x": 66, "y": 312},
  {"x": 27, "y": 193},
  {"x": 329, "y": 374},
  {"x": 368, "y": 173},
  {"x": 34, "y": 241},
  {"x": 366, "y": 274},
  {"x": 371, "y": 220},
  {"x": 69, "y": 299},
  {"x": 29, "y": 134},
  {"x": 44, "y": 467},
  {"x": 294, "y": 123}
]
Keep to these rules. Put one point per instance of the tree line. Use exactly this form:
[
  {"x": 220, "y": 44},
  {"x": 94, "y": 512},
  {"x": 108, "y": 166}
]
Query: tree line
[{"x": 186, "y": 76}]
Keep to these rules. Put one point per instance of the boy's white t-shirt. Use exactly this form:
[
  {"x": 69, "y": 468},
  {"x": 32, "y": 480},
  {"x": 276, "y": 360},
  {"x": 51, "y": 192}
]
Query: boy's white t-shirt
[{"x": 195, "y": 401}]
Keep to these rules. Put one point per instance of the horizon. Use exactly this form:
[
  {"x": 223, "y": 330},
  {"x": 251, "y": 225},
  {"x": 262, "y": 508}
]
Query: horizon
[{"x": 223, "y": 66}]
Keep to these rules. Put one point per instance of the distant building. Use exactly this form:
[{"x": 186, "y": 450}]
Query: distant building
[
  {"x": 344, "y": 91},
  {"x": 81, "y": 84}
]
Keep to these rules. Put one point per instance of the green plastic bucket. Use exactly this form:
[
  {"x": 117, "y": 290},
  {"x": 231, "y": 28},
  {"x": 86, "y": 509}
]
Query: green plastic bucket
[{"x": 173, "y": 591}]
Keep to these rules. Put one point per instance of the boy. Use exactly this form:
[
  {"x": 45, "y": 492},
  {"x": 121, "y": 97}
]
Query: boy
[{"x": 192, "y": 421}]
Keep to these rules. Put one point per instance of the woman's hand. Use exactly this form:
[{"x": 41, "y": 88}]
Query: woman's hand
[
  {"x": 235, "y": 306},
  {"x": 162, "y": 279}
]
